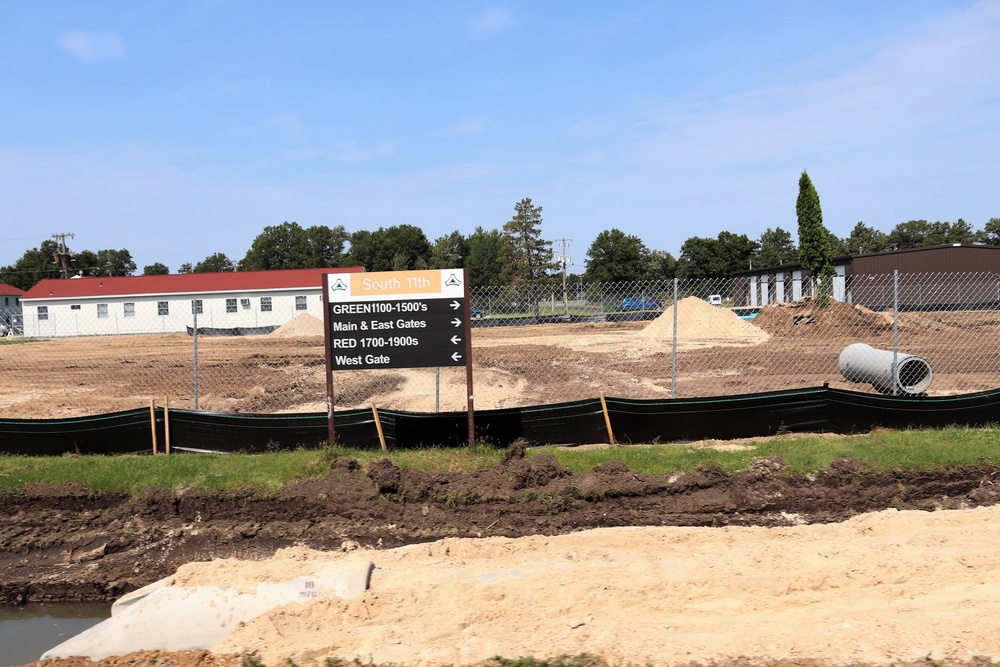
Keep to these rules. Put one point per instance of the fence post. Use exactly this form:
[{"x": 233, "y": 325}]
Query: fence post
[
  {"x": 673, "y": 376},
  {"x": 194, "y": 336},
  {"x": 895, "y": 329}
]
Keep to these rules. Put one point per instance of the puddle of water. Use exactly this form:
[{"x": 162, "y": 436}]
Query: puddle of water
[{"x": 29, "y": 631}]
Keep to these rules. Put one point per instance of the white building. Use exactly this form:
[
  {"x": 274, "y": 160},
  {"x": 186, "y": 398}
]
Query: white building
[
  {"x": 238, "y": 302},
  {"x": 10, "y": 306}
]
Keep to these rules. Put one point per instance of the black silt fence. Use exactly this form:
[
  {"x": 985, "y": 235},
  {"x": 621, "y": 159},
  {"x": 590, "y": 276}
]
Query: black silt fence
[{"x": 581, "y": 422}]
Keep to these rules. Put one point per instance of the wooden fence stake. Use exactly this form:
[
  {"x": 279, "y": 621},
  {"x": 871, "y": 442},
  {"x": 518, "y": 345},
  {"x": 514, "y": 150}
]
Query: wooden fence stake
[
  {"x": 378, "y": 425},
  {"x": 607, "y": 420},
  {"x": 166, "y": 425},
  {"x": 152, "y": 423}
]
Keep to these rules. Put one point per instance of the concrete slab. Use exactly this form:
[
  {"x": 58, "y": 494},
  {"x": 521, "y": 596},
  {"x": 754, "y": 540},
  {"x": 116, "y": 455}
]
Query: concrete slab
[{"x": 175, "y": 618}]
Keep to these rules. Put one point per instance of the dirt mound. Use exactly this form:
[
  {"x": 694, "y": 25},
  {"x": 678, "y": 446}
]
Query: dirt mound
[
  {"x": 805, "y": 318},
  {"x": 699, "y": 320},
  {"x": 301, "y": 325}
]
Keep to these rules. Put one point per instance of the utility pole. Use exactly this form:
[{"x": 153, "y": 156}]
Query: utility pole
[
  {"x": 564, "y": 260},
  {"x": 62, "y": 257}
]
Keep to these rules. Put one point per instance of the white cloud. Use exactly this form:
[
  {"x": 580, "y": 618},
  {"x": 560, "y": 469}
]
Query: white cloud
[
  {"x": 287, "y": 125},
  {"x": 914, "y": 88},
  {"x": 467, "y": 128},
  {"x": 92, "y": 47},
  {"x": 348, "y": 151},
  {"x": 494, "y": 20}
]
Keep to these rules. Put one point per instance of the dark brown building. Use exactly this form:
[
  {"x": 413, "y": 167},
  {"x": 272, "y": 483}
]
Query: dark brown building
[{"x": 943, "y": 276}]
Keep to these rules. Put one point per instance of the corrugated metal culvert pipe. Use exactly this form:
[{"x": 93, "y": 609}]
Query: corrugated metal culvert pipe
[{"x": 863, "y": 363}]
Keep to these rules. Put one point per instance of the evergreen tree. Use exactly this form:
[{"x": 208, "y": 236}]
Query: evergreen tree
[
  {"x": 530, "y": 258},
  {"x": 485, "y": 258},
  {"x": 815, "y": 253},
  {"x": 864, "y": 240},
  {"x": 990, "y": 234}
]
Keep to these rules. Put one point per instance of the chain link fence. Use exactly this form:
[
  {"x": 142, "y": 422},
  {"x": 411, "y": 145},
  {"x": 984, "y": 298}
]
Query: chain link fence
[{"x": 907, "y": 333}]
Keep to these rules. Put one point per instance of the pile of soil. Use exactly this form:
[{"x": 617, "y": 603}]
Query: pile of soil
[
  {"x": 880, "y": 588},
  {"x": 836, "y": 320},
  {"x": 300, "y": 325},
  {"x": 699, "y": 320}
]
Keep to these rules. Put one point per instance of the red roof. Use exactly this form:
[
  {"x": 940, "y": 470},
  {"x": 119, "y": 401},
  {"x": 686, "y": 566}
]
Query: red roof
[
  {"x": 9, "y": 290},
  {"x": 182, "y": 283}
]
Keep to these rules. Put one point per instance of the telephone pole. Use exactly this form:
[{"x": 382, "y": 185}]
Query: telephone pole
[
  {"x": 564, "y": 260},
  {"x": 62, "y": 257}
]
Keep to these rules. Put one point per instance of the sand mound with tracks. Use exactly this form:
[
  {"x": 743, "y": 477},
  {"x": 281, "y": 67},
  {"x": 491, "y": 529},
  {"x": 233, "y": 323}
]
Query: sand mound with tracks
[{"x": 699, "y": 320}]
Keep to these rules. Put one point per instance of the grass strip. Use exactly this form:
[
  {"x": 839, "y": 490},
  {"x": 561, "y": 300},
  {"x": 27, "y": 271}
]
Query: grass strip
[{"x": 804, "y": 454}]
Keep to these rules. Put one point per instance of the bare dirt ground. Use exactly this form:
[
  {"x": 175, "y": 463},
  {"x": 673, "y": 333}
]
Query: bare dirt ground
[
  {"x": 526, "y": 559},
  {"x": 786, "y": 346}
]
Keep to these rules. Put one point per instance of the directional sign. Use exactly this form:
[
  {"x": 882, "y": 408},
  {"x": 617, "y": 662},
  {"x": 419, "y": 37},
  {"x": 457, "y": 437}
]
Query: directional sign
[{"x": 397, "y": 319}]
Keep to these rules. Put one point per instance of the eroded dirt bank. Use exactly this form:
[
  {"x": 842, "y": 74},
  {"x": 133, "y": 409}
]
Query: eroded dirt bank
[{"x": 66, "y": 544}]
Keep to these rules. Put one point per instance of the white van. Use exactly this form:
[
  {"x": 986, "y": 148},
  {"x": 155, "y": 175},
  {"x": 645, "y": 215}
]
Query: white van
[{"x": 715, "y": 299}]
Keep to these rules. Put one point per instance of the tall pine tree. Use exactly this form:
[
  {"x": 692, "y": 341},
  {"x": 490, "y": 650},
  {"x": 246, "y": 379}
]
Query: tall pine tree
[
  {"x": 815, "y": 252},
  {"x": 529, "y": 258}
]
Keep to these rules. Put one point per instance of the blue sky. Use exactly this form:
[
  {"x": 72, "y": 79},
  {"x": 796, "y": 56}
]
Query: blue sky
[{"x": 181, "y": 129}]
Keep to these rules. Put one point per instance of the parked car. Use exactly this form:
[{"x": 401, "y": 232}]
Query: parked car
[
  {"x": 476, "y": 313},
  {"x": 629, "y": 303},
  {"x": 715, "y": 299}
]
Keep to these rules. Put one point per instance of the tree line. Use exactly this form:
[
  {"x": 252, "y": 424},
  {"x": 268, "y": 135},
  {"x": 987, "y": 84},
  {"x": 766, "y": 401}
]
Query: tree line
[{"x": 517, "y": 253}]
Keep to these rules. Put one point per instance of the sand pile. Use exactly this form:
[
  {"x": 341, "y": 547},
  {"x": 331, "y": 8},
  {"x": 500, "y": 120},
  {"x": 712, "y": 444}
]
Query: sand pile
[
  {"x": 804, "y": 318},
  {"x": 880, "y": 588},
  {"x": 699, "y": 320},
  {"x": 301, "y": 325}
]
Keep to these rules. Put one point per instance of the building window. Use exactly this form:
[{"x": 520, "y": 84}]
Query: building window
[
  {"x": 74, "y": 306},
  {"x": 129, "y": 309},
  {"x": 245, "y": 304},
  {"x": 230, "y": 305},
  {"x": 265, "y": 304},
  {"x": 196, "y": 306},
  {"x": 162, "y": 308},
  {"x": 102, "y": 311},
  {"x": 300, "y": 303},
  {"x": 43, "y": 313}
]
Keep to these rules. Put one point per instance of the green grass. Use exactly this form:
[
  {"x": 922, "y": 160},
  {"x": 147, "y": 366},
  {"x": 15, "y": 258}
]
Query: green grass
[
  {"x": 17, "y": 340},
  {"x": 883, "y": 450}
]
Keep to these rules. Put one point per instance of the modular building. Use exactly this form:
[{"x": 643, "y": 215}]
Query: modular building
[
  {"x": 242, "y": 302},
  {"x": 10, "y": 306},
  {"x": 929, "y": 278}
]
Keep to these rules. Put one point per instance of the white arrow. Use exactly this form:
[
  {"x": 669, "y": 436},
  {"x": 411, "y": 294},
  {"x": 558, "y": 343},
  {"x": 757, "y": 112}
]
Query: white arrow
[
  {"x": 456, "y": 356},
  {"x": 456, "y": 340},
  {"x": 457, "y": 322},
  {"x": 455, "y": 305}
]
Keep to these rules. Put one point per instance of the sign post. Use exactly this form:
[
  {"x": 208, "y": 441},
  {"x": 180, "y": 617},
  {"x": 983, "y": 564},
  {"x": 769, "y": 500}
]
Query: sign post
[{"x": 397, "y": 319}]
